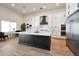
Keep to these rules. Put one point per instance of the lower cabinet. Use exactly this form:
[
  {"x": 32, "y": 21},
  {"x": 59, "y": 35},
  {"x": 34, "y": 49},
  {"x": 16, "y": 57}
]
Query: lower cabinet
[{"x": 35, "y": 40}]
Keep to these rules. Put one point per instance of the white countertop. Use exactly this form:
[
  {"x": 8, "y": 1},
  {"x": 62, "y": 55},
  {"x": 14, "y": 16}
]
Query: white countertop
[{"x": 43, "y": 33}]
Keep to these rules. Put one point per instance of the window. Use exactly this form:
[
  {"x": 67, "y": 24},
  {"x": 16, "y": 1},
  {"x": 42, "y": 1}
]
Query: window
[
  {"x": 13, "y": 26},
  {"x": 7, "y": 26}
]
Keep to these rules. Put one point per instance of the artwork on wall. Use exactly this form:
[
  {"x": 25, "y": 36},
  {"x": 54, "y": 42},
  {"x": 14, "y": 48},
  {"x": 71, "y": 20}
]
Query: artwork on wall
[{"x": 43, "y": 20}]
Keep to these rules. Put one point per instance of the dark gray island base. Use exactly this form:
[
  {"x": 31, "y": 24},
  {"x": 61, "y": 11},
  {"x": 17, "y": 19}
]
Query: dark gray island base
[{"x": 38, "y": 41}]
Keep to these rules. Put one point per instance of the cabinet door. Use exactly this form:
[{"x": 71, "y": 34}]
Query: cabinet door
[
  {"x": 68, "y": 35},
  {"x": 67, "y": 9},
  {"x": 73, "y": 7},
  {"x": 75, "y": 30}
]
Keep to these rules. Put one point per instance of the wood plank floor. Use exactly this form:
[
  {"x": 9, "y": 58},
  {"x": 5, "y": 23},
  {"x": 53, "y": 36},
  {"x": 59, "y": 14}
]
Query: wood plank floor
[
  {"x": 11, "y": 47},
  {"x": 59, "y": 48}
]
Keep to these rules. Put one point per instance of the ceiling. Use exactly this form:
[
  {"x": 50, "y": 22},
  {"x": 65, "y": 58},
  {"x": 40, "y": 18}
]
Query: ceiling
[{"x": 28, "y": 8}]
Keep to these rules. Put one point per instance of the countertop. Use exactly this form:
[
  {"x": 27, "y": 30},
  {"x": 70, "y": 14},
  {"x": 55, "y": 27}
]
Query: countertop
[{"x": 43, "y": 33}]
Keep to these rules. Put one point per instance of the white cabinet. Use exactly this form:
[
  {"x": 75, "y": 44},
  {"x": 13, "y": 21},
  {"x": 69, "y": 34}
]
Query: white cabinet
[
  {"x": 57, "y": 20},
  {"x": 71, "y": 8}
]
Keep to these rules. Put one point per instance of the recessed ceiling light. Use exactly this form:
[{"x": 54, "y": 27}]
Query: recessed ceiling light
[
  {"x": 13, "y": 4},
  {"x": 57, "y": 4},
  {"x": 44, "y": 6},
  {"x": 34, "y": 8}
]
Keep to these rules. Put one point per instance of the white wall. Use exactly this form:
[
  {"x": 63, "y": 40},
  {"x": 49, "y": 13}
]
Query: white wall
[
  {"x": 55, "y": 19},
  {"x": 9, "y": 15}
]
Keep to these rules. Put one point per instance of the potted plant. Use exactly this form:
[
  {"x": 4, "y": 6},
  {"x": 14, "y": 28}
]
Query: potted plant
[{"x": 23, "y": 27}]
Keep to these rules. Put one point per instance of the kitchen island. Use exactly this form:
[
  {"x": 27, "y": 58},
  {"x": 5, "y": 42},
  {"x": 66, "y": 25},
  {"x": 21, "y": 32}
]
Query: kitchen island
[{"x": 40, "y": 39}]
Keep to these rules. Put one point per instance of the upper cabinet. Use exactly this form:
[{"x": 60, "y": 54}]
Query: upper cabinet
[
  {"x": 58, "y": 19},
  {"x": 71, "y": 8}
]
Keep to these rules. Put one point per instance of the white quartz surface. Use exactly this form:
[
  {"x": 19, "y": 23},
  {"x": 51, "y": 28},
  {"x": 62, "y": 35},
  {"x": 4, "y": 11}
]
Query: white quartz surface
[{"x": 43, "y": 33}]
